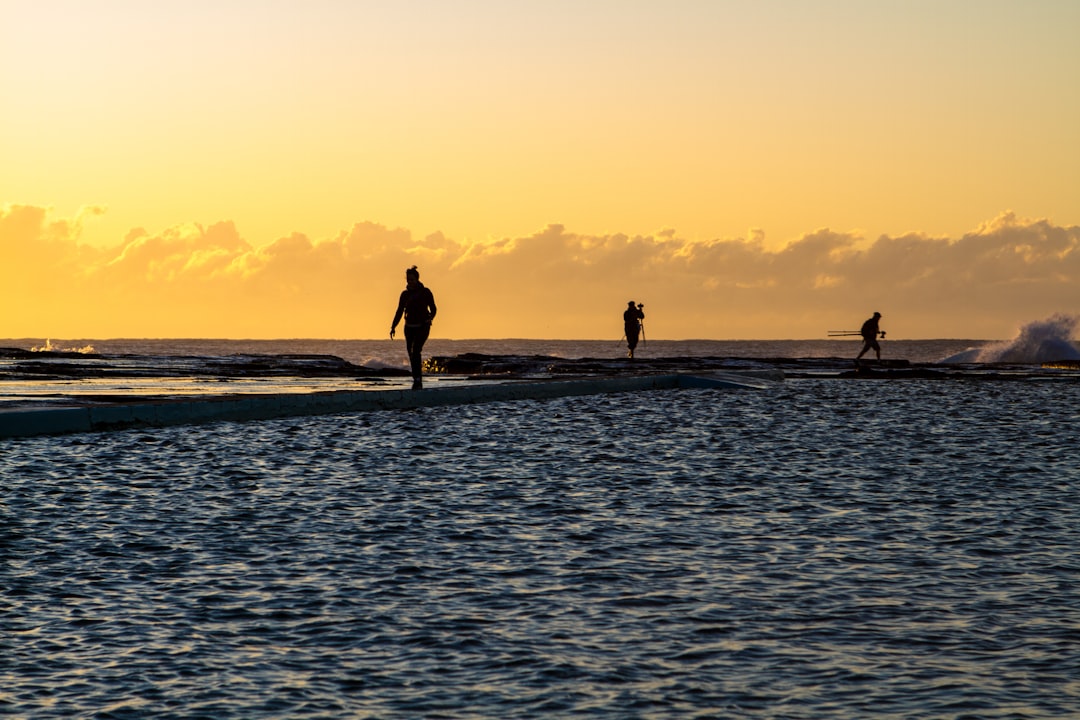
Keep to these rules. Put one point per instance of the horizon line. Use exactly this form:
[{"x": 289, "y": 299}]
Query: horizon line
[{"x": 478, "y": 339}]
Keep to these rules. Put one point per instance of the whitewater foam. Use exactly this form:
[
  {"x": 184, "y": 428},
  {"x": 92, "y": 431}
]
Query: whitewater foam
[
  {"x": 1041, "y": 341},
  {"x": 49, "y": 347}
]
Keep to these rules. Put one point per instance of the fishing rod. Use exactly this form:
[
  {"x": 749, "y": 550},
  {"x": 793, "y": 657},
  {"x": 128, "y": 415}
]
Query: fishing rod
[{"x": 850, "y": 333}]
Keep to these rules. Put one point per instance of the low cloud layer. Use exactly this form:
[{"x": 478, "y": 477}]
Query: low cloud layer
[{"x": 209, "y": 281}]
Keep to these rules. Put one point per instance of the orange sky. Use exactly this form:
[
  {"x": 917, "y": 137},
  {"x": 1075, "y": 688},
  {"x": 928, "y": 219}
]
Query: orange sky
[{"x": 747, "y": 169}]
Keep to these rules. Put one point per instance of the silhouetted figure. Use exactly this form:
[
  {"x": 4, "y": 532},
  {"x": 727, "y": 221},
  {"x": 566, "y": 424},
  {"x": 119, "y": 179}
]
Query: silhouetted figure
[
  {"x": 632, "y": 318},
  {"x": 870, "y": 332},
  {"x": 417, "y": 304}
]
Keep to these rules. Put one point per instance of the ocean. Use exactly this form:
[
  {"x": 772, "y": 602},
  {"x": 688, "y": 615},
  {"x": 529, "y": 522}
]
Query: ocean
[
  {"x": 822, "y": 547},
  {"x": 391, "y": 354}
]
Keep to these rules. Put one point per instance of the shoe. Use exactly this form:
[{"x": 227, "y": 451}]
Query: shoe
[{"x": 417, "y": 385}]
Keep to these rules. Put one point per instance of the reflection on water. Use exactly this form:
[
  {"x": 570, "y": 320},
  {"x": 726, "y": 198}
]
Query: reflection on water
[{"x": 820, "y": 549}]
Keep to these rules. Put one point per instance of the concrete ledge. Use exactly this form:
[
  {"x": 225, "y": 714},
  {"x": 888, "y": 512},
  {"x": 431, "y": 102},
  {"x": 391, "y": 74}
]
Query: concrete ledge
[
  {"x": 24, "y": 422},
  {"x": 44, "y": 421}
]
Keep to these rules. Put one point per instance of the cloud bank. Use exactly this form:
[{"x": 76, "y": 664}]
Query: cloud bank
[{"x": 208, "y": 281}]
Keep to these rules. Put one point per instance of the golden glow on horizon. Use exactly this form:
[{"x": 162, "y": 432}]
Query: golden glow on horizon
[
  {"x": 691, "y": 124},
  {"x": 207, "y": 281}
]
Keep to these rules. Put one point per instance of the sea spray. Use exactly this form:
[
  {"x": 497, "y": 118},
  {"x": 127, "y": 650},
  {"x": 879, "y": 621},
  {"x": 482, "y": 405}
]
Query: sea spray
[
  {"x": 49, "y": 347},
  {"x": 1041, "y": 341}
]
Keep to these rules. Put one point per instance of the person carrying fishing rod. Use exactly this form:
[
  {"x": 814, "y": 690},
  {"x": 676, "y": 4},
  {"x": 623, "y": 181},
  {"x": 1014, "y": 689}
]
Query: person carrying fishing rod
[
  {"x": 869, "y": 333},
  {"x": 632, "y": 325}
]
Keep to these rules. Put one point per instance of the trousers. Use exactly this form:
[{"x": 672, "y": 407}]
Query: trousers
[{"x": 415, "y": 337}]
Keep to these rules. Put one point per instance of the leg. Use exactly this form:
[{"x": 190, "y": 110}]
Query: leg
[{"x": 415, "y": 337}]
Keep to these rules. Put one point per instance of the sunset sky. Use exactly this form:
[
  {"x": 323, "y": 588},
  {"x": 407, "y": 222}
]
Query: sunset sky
[{"x": 747, "y": 169}]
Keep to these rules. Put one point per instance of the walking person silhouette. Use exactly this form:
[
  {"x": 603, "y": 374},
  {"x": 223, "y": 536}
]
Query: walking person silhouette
[
  {"x": 870, "y": 332},
  {"x": 417, "y": 304}
]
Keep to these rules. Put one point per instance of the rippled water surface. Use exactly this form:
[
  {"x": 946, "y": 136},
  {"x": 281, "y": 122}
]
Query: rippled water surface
[{"x": 824, "y": 548}]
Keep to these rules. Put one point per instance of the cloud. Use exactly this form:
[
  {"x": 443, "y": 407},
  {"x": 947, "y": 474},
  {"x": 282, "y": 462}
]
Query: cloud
[{"x": 208, "y": 281}]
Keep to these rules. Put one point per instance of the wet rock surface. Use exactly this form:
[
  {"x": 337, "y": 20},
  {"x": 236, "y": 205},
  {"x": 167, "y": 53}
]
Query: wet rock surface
[
  {"x": 481, "y": 365},
  {"x": 54, "y": 365}
]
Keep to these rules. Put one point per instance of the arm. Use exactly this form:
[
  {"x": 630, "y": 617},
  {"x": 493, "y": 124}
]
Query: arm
[
  {"x": 431, "y": 306},
  {"x": 397, "y": 315}
]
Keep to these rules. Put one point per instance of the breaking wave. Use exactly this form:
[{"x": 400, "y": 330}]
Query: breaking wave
[
  {"x": 49, "y": 347},
  {"x": 1038, "y": 342}
]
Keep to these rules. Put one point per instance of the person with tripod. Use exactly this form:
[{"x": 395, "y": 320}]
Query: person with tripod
[{"x": 632, "y": 318}]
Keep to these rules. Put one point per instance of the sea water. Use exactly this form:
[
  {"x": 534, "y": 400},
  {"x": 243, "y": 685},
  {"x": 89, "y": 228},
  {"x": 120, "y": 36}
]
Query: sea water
[
  {"x": 1050, "y": 339},
  {"x": 821, "y": 548},
  {"x": 391, "y": 354}
]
